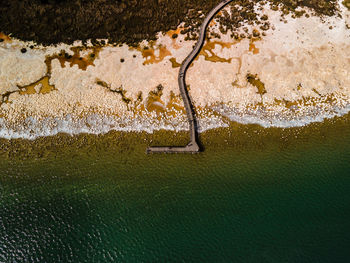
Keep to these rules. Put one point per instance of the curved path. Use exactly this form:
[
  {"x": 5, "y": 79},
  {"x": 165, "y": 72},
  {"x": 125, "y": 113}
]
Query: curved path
[{"x": 193, "y": 145}]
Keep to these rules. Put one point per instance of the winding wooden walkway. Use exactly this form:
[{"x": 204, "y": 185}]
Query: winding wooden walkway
[{"x": 193, "y": 146}]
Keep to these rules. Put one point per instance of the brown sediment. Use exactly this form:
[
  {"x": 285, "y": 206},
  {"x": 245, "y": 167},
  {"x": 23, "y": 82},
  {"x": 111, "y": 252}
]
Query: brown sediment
[
  {"x": 6, "y": 96},
  {"x": 256, "y": 82},
  {"x": 208, "y": 53},
  {"x": 149, "y": 54},
  {"x": 45, "y": 87},
  {"x": 154, "y": 101},
  {"x": 252, "y": 47},
  {"x": 314, "y": 90},
  {"x": 304, "y": 102},
  {"x": 4, "y": 38},
  {"x": 239, "y": 59},
  {"x": 174, "y": 63},
  {"x": 174, "y": 104},
  {"x": 174, "y": 34},
  {"x": 119, "y": 90},
  {"x": 76, "y": 58}
]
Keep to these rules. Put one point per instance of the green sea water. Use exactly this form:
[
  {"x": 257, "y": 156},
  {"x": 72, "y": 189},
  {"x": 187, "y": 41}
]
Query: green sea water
[{"x": 253, "y": 195}]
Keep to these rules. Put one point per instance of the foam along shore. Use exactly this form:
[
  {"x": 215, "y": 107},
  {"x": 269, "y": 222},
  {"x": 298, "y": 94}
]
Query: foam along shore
[{"x": 292, "y": 74}]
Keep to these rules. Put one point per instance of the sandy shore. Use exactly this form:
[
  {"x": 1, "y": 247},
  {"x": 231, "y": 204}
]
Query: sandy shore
[
  {"x": 291, "y": 74},
  {"x": 240, "y": 137}
]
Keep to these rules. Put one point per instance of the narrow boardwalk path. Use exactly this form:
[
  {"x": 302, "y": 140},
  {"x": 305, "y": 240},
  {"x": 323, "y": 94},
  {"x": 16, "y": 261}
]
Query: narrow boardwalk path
[{"x": 193, "y": 145}]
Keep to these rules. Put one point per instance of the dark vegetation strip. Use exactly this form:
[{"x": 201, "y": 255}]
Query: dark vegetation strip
[{"x": 130, "y": 21}]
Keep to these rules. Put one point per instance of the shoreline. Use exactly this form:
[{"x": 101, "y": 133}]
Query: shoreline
[{"x": 237, "y": 137}]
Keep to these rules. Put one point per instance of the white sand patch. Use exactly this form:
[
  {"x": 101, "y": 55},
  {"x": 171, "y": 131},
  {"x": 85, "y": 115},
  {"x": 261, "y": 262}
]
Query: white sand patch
[{"x": 18, "y": 68}]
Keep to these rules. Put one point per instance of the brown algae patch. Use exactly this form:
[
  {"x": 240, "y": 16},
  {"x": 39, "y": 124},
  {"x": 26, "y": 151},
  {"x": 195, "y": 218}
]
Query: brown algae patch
[
  {"x": 120, "y": 91},
  {"x": 256, "y": 82},
  {"x": 154, "y": 101},
  {"x": 149, "y": 53},
  {"x": 174, "y": 34},
  {"x": 252, "y": 47},
  {"x": 5, "y": 98},
  {"x": 346, "y": 3},
  {"x": 150, "y": 56},
  {"x": 174, "y": 63},
  {"x": 41, "y": 86},
  {"x": 4, "y": 38},
  {"x": 174, "y": 104},
  {"x": 75, "y": 59},
  {"x": 208, "y": 51},
  {"x": 304, "y": 102}
]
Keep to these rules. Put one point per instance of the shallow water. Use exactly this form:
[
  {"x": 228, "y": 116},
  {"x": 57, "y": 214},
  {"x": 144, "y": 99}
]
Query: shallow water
[{"x": 276, "y": 197}]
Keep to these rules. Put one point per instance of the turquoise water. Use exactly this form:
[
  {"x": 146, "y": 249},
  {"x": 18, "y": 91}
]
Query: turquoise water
[{"x": 270, "y": 202}]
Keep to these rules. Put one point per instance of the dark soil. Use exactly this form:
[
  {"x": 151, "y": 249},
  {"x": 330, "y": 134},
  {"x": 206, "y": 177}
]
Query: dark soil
[{"x": 127, "y": 21}]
